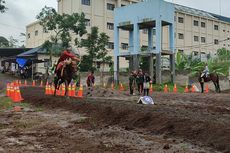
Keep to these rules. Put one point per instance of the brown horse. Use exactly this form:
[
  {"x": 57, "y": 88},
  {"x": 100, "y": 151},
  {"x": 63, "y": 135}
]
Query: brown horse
[
  {"x": 212, "y": 77},
  {"x": 64, "y": 77}
]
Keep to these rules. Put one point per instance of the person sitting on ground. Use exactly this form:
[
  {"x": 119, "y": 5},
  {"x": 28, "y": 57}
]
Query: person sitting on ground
[
  {"x": 65, "y": 59},
  {"x": 206, "y": 71},
  {"x": 146, "y": 84},
  {"x": 90, "y": 79},
  {"x": 132, "y": 82}
]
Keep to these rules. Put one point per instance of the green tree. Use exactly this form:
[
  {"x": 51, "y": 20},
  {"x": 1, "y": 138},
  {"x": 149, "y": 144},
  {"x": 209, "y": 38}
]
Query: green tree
[
  {"x": 95, "y": 46},
  {"x": 2, "y": 6},
  {"x": 4, "y": 42},
  {"x": 61, "y": 25},
  {"x": 223, "y": 54}
]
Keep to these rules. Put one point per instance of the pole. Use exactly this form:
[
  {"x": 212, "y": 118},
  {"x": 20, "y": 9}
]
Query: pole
[{"x": 32, "y": 71}]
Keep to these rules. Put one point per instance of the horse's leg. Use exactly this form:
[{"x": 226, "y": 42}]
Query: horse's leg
[
  {"x": 215, "y": 85},
  {"x": 202, "y": 87},
  {"x": 66, "y": 87},
  {"x": 218, "y": 86}
]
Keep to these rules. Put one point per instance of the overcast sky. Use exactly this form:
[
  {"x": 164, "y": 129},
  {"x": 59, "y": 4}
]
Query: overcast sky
[{"x": 23, "y": 12}]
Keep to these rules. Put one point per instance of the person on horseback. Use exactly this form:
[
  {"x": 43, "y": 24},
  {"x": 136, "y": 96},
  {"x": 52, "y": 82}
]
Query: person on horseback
[
  {"x": 205, "y": 71},
  {"x": 65, "y": 59}
]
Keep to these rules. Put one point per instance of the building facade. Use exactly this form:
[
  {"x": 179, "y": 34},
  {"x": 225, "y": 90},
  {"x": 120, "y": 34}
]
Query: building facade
[{"x": 196, "y": 32}]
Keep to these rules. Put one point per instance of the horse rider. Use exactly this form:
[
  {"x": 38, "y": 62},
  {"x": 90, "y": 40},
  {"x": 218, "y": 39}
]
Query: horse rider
[
  {"x": 205, "y": 71},
  {"x": 66, "y": 58}
]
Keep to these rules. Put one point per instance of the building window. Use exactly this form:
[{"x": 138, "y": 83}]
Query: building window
[
  {"x": 110, "y": 26},
  {"x": 181, "y": 51},
  {"x": 45, "y": 30},
  {"x": 203, "y": 24},
  {"x": 87, "y": 22},
  {"x": 216, "y": 41},
  {"x": 203, "y": 40},
  {"x": 180, "y": 35},
  {"x": 195, "y": 53},
  {"x": 180, "y": 20},
  {"x": 28, "y": 35},
  {"x": 196, "y": 23},
  {"x": 216, "y": 27},
  {"x": 124, "y": 46},
  {"x": 110, "y": 6},
  {"x": 122, "y": 5},
  {"x": 196, "y": 38},
  {"x": 224, "y": 30},
  {"x": 110, "y": 45},
  {"x": 145, "y": 31},
  {"x": 85, "y": 2},
  {"x": 36, "y": 32}
]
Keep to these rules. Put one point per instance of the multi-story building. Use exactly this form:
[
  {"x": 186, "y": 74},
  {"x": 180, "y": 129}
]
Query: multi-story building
[{"x": 196, "y": 32}]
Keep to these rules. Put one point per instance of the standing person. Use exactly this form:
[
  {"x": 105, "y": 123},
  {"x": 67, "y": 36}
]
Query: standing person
[
  {"x": 146, "y": 84},
  {"x": 132, "y": 82},
  {"x": 140, "y": 80},
  {"x": 90, "y": 79}
]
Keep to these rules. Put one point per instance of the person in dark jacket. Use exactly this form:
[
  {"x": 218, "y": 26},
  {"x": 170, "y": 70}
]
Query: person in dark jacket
[
  {"x": 132, "y": 82},
  {"x": 146, "y": 84},
  {"x": 140, "y": 81}
]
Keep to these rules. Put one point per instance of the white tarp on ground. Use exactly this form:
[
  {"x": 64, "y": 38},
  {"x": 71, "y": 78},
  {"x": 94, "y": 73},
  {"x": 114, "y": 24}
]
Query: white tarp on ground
[{"x": 145, "y": 100}]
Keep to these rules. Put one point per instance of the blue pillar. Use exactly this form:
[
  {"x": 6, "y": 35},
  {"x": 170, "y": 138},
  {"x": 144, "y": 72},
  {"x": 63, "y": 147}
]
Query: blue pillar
[
  {"x": 158, "y": 50},
  {"x": 150, "y": 39},
  {"x": 171, "y": 38},
  {"x": 131, "y": 41},
  {"x": 116, "y": 54},
  {"x": 136, "y": 38},
  {"x": 172, "y": 49}
]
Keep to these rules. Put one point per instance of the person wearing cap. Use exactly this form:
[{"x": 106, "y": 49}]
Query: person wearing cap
[{"x": 66, "y": 58}]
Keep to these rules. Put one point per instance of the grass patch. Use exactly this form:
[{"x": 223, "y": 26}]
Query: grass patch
[
  {"x": 25, "y": 124},
  {"x": 156, "y": 87},
  {"x": 38, "y": 109},
  {"x": 5, "y": 103}
]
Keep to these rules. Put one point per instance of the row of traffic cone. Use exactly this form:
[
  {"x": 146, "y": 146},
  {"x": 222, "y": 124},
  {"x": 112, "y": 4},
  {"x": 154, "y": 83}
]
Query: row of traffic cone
[
  {"x": 13, "y": 91},
  {"x": 49, "y": 90},
  {"x": 186, "y": 90}
]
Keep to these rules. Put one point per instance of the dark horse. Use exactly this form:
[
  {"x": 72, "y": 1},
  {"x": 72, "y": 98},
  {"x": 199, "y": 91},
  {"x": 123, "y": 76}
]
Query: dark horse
[
  {"x": 212, "y": 77},
  {"x": 68, "y": 73}
]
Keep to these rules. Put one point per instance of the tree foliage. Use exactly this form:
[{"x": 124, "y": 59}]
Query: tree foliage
[
  {"x": 95, "y": 46},
  {"x": 2, "y": 6},
  {"x": 62, "y": 24},
  {"x": 4, "y": 42},
  {"x": 223, "y": 54}
]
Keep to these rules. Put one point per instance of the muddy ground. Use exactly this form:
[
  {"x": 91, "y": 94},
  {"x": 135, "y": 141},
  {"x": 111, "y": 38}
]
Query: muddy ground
[{"x": 110, "y": 121}]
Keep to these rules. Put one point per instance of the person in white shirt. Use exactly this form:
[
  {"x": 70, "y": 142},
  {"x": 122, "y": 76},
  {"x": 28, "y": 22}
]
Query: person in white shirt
[{"x": 205, "y": 71}]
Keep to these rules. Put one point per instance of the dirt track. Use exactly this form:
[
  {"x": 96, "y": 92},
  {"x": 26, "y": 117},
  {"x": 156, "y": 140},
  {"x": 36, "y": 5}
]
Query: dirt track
[{"x": 113, "y": 122}]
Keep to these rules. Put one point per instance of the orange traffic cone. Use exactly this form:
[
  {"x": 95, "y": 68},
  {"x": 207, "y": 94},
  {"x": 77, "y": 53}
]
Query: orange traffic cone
[
  {"x": 121, "y": 87},
  {"x": 11, "y": 90},
  {"x": 193, "y": 88},
  {"x": 69, "y": 90},
  {"x": 8, "y": 90},
  {"x": 25, "y": 83},
  {"x": 80, "y": 92},
  {"x": 175, "y": 88},
  {"x": 206, "y": 89},
  {"x": 63, "y": 90},
  {"x": 47, "y": 90},
  {"x": 20, "y": 82},
  {"x": 41, "y": 84},
  {"x": 73, "y": 91},
  {"x": 186, "y": 89},
  {"x": 112, "y": 86},
  {"x": 151, "y": 89},
  {"x": 33, "y": 83},
  {"x": 166, "y": 88},
  {"x": 17, "y": 95}
]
